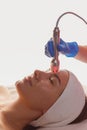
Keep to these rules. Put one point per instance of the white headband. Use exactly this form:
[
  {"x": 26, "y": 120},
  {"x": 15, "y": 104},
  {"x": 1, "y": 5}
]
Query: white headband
[{"x": 68, "y": 106}]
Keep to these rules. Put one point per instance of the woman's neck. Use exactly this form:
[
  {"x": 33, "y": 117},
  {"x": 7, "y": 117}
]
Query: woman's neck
[{"x": 17, "y": 115}]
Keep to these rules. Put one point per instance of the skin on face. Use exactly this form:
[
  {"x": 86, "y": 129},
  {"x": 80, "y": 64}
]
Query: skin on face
[
  {"x": 37, "y": 93},
  {"x": 42, "y": 89}
]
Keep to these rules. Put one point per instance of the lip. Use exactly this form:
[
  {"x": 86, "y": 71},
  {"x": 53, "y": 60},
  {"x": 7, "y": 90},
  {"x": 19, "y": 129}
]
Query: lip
[
  {"x": 29, "y": 80},
  {"x": 18, "y": 83}
]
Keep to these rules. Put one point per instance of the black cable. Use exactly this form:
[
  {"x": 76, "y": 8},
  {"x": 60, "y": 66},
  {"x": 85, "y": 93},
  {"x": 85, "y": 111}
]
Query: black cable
[{"x": 69, "y": 13}]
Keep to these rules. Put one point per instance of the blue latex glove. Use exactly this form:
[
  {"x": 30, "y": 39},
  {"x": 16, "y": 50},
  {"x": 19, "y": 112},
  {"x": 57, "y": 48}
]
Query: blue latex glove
[{"x": 69, "y": 49}]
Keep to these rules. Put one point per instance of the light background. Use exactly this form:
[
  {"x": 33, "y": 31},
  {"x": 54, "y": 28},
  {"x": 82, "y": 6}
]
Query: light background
[{"x": 27, "y": 25}]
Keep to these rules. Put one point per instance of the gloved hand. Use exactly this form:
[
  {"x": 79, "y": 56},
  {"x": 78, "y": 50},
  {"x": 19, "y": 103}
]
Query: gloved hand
[{"x": 69, "y": 49}]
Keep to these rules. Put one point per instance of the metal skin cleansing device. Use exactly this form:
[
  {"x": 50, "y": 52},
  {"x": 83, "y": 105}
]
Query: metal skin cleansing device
[{"x": 55, "y": 63}]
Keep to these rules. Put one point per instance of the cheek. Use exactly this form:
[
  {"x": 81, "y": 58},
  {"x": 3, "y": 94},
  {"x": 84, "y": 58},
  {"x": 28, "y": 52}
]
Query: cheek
[
  {"x": 45, "y": 85},
  {"x": 38, "y": 97}
]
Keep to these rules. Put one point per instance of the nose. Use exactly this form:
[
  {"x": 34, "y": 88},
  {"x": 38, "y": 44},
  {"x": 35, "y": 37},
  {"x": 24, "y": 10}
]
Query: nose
[
  {"x": 41, "y": 75},
  {"x": 36, "y": 74}
]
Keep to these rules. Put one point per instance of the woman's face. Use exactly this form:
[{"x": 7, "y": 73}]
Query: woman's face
[{"x": 40, "y": 90}]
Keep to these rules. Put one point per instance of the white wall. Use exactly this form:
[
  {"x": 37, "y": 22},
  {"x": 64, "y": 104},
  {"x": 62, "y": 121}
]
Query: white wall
[{"x": 26, "y": 26}]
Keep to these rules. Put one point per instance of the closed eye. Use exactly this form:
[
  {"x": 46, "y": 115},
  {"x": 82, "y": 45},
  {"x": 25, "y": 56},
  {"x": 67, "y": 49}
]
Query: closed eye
[
  {"x": 57, "y": 77},
  {"x": 52, "y": 78}
]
